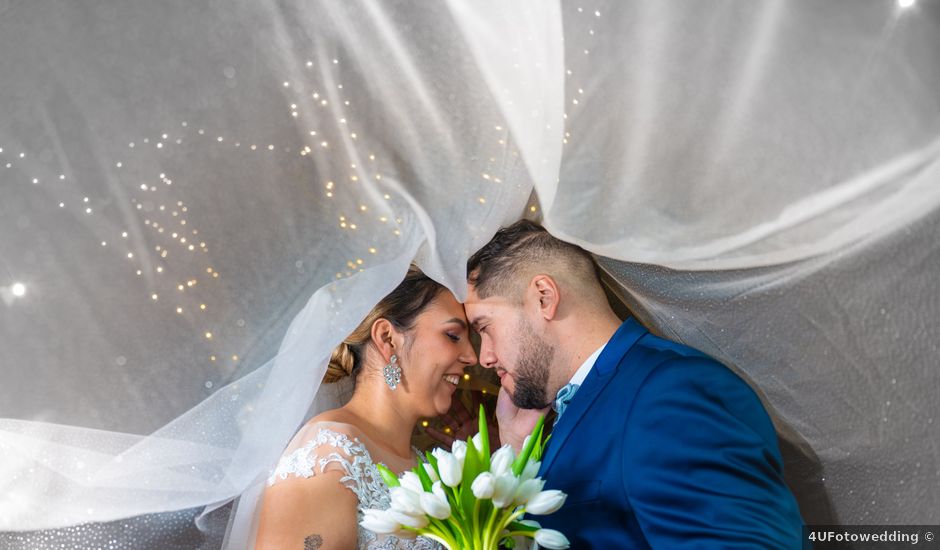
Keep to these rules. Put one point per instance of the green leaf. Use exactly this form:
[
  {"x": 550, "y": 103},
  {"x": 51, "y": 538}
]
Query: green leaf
[
  {"x": 516, "y": 526},
  {"x": 485, "y": 440},
  {"x": 423, "y": 476},
  {"x": 471, "y": 469},
  {"x": 388, "y": 476},
  {"x": 523, "y": 457}
]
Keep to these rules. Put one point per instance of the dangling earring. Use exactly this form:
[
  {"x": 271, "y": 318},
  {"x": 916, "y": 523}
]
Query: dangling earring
[{"x": 392, "y": 372}]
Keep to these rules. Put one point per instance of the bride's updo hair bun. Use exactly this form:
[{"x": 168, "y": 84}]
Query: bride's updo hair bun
[
  {"x": 401, "y": 307},
  {"x": 342, "y": 363}
]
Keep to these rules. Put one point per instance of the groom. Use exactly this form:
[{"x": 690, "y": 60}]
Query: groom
[{"x": 656, "y": 444}]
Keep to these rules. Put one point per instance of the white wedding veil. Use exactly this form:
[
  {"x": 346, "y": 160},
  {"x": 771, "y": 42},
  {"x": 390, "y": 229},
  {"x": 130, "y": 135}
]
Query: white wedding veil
[{"x": 201, "y": 199}]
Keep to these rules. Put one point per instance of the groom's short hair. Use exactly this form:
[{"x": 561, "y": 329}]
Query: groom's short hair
[{"x": 518, "y": 252}]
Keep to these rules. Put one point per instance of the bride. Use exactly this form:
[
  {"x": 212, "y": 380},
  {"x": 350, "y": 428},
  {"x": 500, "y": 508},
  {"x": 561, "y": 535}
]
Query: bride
[{"x": 407, "y": 357}]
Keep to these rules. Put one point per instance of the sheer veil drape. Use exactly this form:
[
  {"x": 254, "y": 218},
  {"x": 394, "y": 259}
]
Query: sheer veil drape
[{"x": 200, "y": 200}]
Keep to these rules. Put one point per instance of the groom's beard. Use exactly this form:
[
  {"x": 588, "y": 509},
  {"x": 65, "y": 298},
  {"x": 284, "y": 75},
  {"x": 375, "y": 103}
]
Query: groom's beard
[{"x": 532, "y": 369}]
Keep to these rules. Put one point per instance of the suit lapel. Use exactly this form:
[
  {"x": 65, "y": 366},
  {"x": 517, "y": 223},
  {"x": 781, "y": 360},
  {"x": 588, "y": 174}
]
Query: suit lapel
[{"x": 618, "y": 346}]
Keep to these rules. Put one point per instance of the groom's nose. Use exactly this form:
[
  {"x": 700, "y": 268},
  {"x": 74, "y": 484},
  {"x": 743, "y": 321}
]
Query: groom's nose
[{"x": 487, "y": 355}]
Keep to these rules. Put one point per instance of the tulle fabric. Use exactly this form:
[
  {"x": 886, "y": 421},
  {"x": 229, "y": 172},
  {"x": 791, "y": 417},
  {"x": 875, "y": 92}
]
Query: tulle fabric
[{"x": 759, "y": 178}]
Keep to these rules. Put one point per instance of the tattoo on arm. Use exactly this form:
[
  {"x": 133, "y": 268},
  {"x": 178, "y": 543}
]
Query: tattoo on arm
[{"x": 312, "y": 542}]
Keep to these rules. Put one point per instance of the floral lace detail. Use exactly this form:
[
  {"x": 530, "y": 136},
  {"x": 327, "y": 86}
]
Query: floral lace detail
[{"x": 338, "y": 450}]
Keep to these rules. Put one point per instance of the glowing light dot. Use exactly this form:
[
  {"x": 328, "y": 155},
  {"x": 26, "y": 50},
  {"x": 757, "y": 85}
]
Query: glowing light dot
[
  {"x": 270, "y": 147},
  {"x": 104, "y": 243},
  {"x": 466, "y": 377},
  {"x": 253, "y": 147},
  {"x": 324, "y": 144},
  {"x": 160, "y": 269},
  {"x": 287, "y": 84},
  {"x": 234, "y": 358},
  {"x": 212, "y": 357},
  {"x": 352, "y": 226},
  {"x": 61, "y": 176},
  {"x": 447, "y": 429},
  {"x": 181, "y": 287},
  {"x": 88, "y": 210},
  {"x": 18, "y": 289},
  {"x": 179, "y": 310},
  {"x": 191, "y": 247},
  {"x": 906, "y": 3},
  {"x": 208, "y": 335},
  {"x": 35, "y": 181},
  {"x": 532, "y": 209},
  {"x": 153, "y": 296},
  {"x": 424, "y": 423},
  {"x": 119, "y": 164},
  {"x": 22, "y": 155},
  {"x": 482, "y": 200},
  {"x": 372, "y": 250},
  {"x": 310, "y": 63},
  {"x": 61, "y": 205},
  {"x": 363, "y": 207},
  {"x": 202, "y": 307}
]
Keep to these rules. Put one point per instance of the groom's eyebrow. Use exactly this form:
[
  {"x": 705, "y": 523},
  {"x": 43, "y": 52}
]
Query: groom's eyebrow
[{"x": 475, "y": 324}]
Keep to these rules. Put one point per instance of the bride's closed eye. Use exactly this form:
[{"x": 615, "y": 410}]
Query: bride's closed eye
[{"x": 453, "y": 337}]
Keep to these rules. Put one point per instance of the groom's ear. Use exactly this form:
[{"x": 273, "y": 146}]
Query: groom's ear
[
  {"x": 382, "y": 333},
  {"x": 546, "y": 291}
]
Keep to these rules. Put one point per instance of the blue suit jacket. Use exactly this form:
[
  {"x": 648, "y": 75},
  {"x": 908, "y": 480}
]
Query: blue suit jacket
[{"x": 664, "y": 447}]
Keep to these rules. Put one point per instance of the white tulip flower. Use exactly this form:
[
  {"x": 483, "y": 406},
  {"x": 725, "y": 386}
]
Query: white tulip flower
[
  {"x": 546, "y": 502},
  {"x": 436, "y": 505},
  {"x": 405, "y": 500},
  {"x": 380, "y": 521},
  {"x": 478, "y": 441},
  {"x": 531, "y": 470},
  {"x": 430, "y": 471},
  {"x": 459, "y": 450},
  {"x": 550, "y": 538},
  {"x": 483, "y": 486},
  {"x": 505, "y": 490},
  {"x": 528, "y": 489},
  {"x": 411, "y": 481},
  {"x": 415, "y": 522},
  {"x": 450, "y": 468},
  {"x": 502, "y": 460}
]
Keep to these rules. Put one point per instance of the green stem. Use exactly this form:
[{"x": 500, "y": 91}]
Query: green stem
[{"x": 477, "y": 535}]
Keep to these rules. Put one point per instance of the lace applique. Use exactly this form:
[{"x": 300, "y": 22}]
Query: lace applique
[{"x": 339, "y": 451}]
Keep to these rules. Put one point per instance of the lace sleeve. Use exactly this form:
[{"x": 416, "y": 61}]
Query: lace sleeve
[{"x": 328, "y": 450}]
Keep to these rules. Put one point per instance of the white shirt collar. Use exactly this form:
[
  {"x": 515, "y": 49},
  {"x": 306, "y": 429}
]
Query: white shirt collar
[{"x": 586, "y": 366}]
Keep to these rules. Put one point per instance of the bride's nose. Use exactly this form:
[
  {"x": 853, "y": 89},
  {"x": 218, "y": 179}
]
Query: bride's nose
[{"x": 467, "y": 356}]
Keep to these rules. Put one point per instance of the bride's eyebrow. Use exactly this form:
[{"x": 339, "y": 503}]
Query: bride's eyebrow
[{"x": 457, "y": 320}]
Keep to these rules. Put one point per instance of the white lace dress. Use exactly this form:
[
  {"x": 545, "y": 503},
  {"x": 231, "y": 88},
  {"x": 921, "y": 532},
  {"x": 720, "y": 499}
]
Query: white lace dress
[{"x": 333, "y": 450}]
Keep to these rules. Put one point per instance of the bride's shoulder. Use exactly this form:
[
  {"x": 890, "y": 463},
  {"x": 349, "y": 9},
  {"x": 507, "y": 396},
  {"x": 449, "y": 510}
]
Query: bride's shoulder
[{"x": 336, "y": 421}]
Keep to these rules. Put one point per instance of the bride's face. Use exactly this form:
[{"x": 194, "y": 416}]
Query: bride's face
[{"x": 440, "y": 350}]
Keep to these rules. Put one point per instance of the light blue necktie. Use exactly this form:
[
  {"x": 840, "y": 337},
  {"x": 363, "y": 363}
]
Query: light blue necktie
[{"x": 564, "y": 397}]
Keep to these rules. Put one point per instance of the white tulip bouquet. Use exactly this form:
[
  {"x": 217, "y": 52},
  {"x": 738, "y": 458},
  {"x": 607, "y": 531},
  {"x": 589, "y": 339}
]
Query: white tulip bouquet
[{"x": 467, "y": 499}]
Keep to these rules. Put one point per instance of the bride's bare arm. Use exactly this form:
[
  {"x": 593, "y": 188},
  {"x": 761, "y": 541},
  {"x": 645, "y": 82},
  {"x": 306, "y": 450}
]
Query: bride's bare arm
[{"x": 308, "y": 513}]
